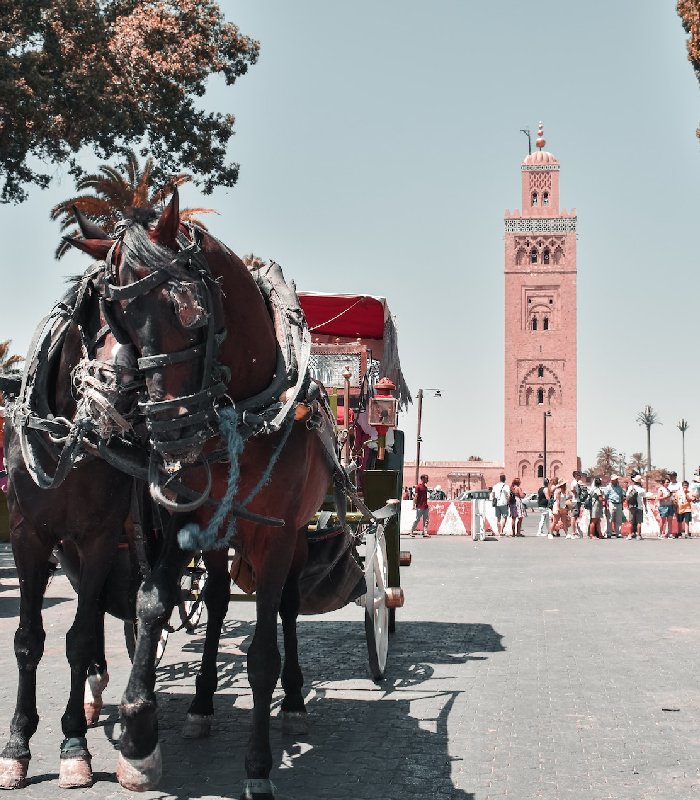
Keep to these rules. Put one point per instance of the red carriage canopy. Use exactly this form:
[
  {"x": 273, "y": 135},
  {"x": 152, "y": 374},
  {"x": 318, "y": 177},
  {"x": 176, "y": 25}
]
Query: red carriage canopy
[
  {"x": 345, "y": 314},
  {"x": 352, "y": 316}
]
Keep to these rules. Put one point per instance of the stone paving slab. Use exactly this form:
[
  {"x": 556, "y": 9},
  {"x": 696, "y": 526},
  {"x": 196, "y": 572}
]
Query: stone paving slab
[{"x": 525, "y": 668}]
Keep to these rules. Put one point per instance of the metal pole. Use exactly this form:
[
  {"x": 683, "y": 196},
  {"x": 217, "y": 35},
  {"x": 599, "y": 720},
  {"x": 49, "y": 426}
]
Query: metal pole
[
  {"x": 347, "y": 374},
  {"x": 545, "y": 444},
  {"x": 420, "y": 413},
  {"x": 683, "y": 427}
]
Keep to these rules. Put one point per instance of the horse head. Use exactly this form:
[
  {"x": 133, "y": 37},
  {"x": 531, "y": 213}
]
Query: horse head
[{"x": 160, "y": 296}]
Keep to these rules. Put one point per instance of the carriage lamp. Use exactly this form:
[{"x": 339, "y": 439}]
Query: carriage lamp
[{"x": 382, "y": 412}]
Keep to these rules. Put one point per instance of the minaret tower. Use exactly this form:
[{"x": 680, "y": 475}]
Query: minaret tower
[{"x": 540, "y": 328}]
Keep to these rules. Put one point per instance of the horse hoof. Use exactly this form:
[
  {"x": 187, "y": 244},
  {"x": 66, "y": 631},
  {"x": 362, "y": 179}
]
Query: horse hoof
[
  {"x": 92, "y": 713},
  {"x": 140, "y": 774},
  {"x": 258, "y": 787},
  {"x": 197, "y": 726},
  {"x": 76, "y": 773},
  {"x": 295, "y": 722},
  {"x": 13, "y": 772}
]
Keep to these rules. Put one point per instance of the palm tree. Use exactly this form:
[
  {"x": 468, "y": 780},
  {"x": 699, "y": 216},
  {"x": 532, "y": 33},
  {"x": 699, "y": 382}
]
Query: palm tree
[
  {"x": 8, "y": 366},
  {"x": 8, "y": 363},
  {"x": 114, "y": 191},
  {"x": 607, "y": 458},
  {"x": 648, "y": 417},
  {"x": 638, "y": 463}
]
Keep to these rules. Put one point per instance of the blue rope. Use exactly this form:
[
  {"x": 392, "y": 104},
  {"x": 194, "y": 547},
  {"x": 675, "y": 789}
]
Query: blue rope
[{"x": 192, "y": 537}]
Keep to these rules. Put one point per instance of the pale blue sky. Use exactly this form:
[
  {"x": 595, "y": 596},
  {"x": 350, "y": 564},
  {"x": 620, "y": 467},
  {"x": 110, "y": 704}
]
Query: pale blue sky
[{"x": 379, "y": 146}]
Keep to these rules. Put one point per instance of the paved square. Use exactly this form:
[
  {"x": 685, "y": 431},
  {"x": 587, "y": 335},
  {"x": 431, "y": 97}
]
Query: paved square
[{"x": 521, "y": 668}]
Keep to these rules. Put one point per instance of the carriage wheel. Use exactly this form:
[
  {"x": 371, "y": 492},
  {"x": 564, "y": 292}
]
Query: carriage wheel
[
  {"x": 376, "y": 610},
  {"x": 192, "y": 586}
]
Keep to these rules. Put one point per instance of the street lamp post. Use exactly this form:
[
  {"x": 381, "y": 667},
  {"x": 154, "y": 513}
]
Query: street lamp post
[
  {"x": 683, "y": 427},
  {"x": 436, "y": 393},
  {"x": 545, "y": 415}
]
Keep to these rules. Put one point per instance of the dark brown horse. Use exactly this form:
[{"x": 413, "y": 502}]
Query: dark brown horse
[
  {"x": 88, "y": 513},
  {"x": 173, "y": 297}
]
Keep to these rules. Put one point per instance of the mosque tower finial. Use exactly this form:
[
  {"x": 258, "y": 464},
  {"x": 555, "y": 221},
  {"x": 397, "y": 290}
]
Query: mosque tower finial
[{"x": 540, "y": 138}]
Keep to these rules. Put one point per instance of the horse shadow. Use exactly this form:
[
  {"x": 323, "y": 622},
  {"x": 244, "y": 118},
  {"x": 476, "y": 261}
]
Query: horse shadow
[{"x": 366, "y": 740}]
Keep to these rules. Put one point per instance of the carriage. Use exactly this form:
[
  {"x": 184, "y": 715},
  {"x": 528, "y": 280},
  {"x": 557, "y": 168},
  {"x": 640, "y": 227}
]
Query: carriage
[
  {"x": 170, "y": 395},
  {"x": 353, "y": 342}
]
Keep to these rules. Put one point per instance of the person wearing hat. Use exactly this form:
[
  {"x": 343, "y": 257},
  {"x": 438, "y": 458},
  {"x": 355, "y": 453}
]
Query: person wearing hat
[
  {"x": 438, "y": 494},
  {"x": 560, "y": 512},
  {"x": 636, "y": 504},
  {"x": 615, "y": 496}
]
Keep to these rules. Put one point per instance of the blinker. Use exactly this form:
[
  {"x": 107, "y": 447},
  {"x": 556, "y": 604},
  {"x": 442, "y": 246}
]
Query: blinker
[{"x": 189, "y": 304}]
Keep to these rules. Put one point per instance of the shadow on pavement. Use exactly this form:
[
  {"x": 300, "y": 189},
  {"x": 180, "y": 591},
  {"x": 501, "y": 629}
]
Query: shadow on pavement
[{"x": 365, "y": 740}]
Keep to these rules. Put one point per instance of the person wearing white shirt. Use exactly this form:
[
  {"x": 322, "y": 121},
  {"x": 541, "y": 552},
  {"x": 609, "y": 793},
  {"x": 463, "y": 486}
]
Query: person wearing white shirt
[{"x": 500, "y": 495}]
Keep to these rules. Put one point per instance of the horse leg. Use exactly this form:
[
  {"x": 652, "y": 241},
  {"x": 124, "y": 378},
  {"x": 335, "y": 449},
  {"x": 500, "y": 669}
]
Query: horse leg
[
  {"x": 217, "y": 594},
  {"x": 32, "y": 559},
  {"x": 140, "y": 765},
  {"x": 294, "y": 716},
  {"x": 264, "y": 668},
  {"x": 83, "y": 641},
  {"x": 97, "y": 678}
]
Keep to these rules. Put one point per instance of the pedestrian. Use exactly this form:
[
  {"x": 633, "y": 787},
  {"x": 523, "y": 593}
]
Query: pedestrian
[
  {"x": 500, "y": 496},
  {"x": 543, "y": 495},
  {"x": 684, "y": 514},
  {"x": 560, "y": 510},
  {"x": 665, "y": 504},
  {"x": 516, "y": 507},
  {"x": 597, "y": 498},
  {"x": 673, "y": 487},
  {"x": 420, "y": 503},
  {"x": 614, "y": 495},
  {"x": 438, "y": 494},
  {"x": 636, "y": 504},
  {"x": 579, "y": 493}
]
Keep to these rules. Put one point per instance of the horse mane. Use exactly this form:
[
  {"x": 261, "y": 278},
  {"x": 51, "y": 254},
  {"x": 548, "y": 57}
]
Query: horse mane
[{"x": 138, "y": 247}]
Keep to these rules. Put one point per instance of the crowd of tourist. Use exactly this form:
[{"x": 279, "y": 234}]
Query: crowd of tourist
[{"x": 562, "y": 506}]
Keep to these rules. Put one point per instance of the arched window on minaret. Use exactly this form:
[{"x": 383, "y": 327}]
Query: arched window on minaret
[
  {"x": 545, "y": 256},
  {"x": 533, "y": 256},
  {"x": 558, "y": 255},
  {"x": 540, "y": 471},
  {"x": 540, "y": 371},
  {"x": 534, "y": 198},
  {"x": 534, "y": 323},
  {"x": 545, "y": 199},
  {"x": 540, "y": 397},
  {"x": 551, "y": 396},
  {"x": 545, "y": 326}
]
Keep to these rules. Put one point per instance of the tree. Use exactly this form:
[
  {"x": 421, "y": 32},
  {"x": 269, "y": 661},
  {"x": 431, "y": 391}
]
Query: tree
[
  {"x": 475, "y": 458},
  {"x": 637, "y": 464},
  {"x": 606, "y": 463},
  {"x": 648, "y": 417},
  {"x": 8, "y": 365},
  {"x": 111, "y": 74},
  {"x": 689, "y": 12},
  {"x": 115, "y": 190}
]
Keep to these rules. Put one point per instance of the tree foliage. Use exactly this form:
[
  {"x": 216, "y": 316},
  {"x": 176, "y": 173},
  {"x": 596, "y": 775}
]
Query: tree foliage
[
  {"x": 110, "y": 74},
  {"x": 689, "y": 12},
  {"x": 114, "y": 191}
]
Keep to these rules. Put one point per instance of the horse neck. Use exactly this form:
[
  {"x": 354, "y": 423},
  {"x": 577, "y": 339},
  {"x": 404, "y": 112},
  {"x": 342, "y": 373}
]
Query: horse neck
[{"x": 250, "y": 347}]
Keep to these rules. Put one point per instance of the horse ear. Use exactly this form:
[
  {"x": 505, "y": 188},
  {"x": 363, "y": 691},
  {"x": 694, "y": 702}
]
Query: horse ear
[
  {"x": 97, "y": 248},
  {"x": 166, "y": 230},
  {"x": 87, "y": 228}
]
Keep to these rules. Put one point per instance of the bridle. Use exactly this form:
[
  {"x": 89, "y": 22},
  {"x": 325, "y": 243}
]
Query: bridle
[{"x": 198, "y": 294}]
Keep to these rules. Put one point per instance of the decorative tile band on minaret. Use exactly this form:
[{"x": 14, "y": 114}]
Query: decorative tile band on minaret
[{"x": 540, "y": 327}]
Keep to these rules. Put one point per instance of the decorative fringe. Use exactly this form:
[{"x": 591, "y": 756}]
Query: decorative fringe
[
  {"x": 390, "y": 366},
  {"x": 192, "y": 537}
]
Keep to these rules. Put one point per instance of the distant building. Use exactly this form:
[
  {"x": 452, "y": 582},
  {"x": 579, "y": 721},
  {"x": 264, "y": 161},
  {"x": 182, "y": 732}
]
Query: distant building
[{"x": 540, "y": 327}]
